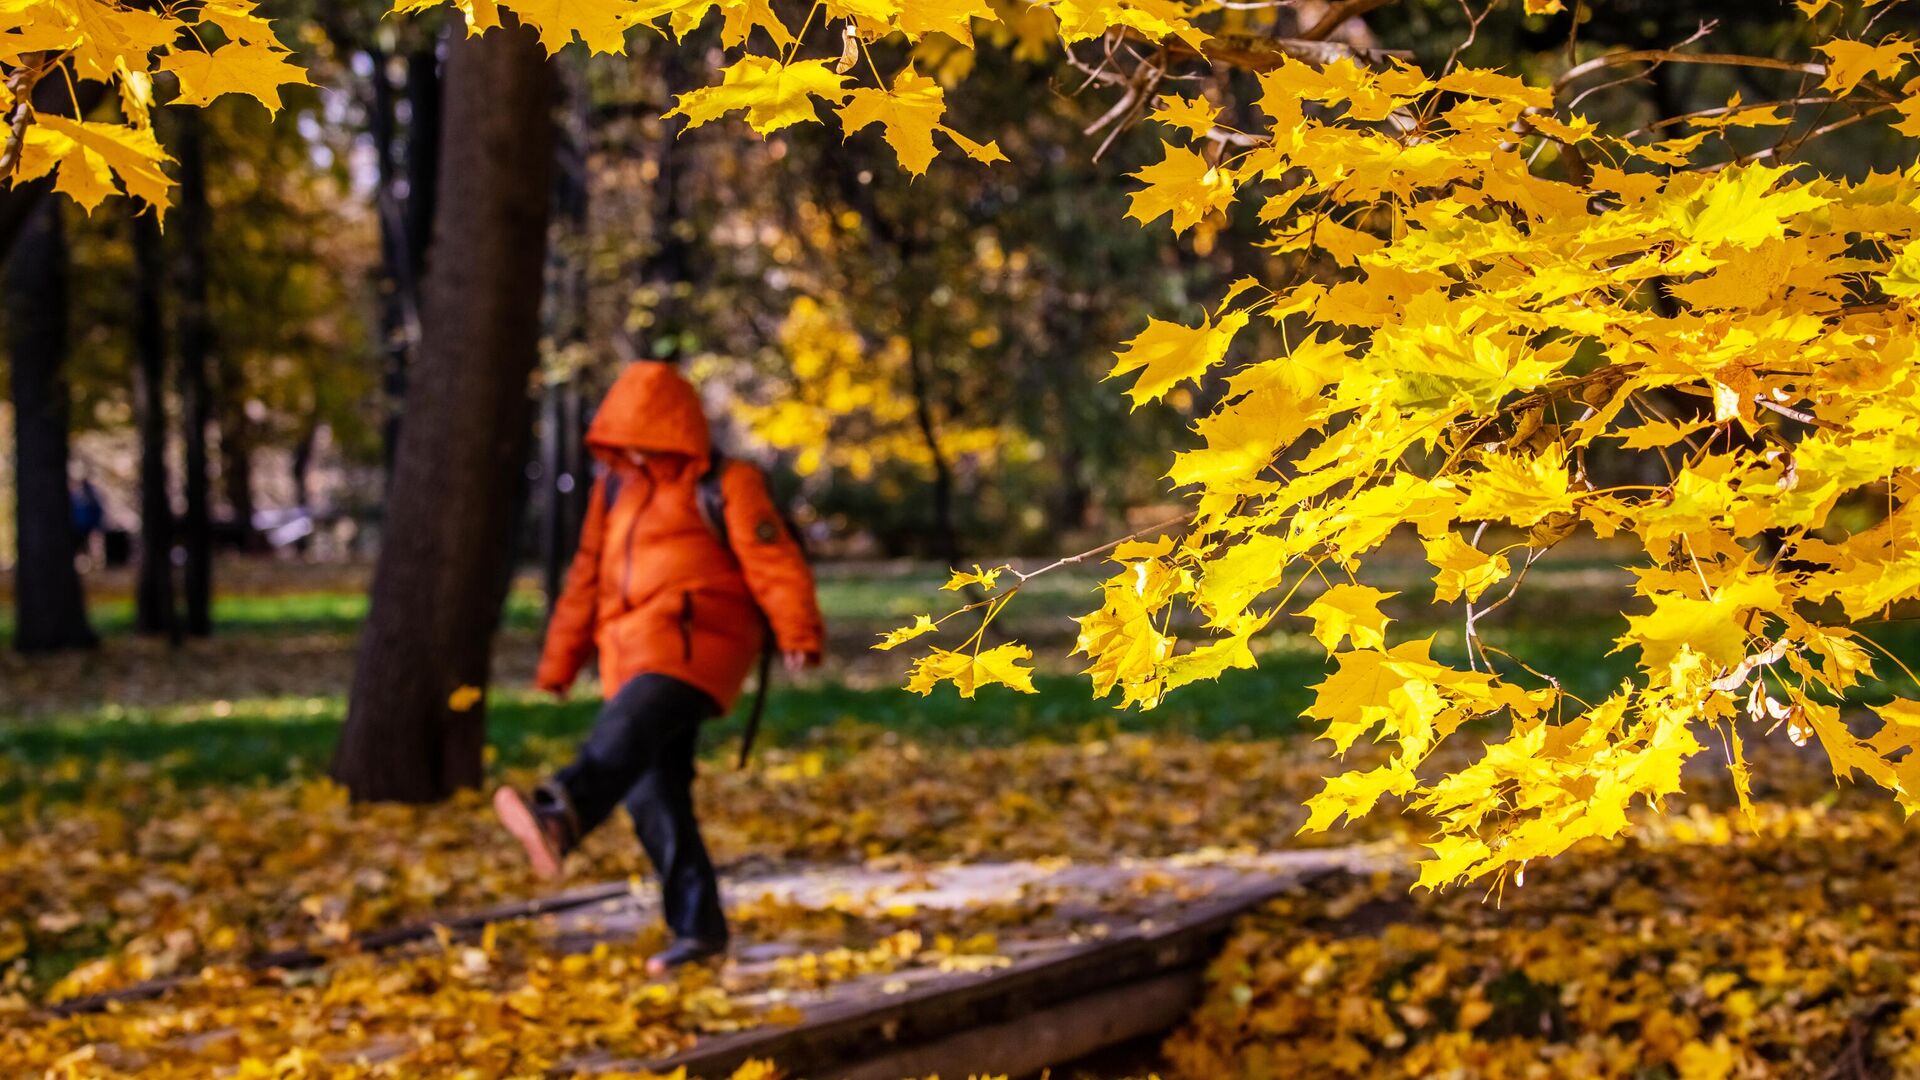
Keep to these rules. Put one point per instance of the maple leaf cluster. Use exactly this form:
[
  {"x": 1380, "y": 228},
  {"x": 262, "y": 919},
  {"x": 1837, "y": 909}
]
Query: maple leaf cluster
[
  {"x": 1497, "y": 314},
  {"x": 48, "y": 47}
]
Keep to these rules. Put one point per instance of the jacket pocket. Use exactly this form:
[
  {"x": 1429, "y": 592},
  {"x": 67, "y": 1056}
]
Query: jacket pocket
[{"x": 686, "y": 625}]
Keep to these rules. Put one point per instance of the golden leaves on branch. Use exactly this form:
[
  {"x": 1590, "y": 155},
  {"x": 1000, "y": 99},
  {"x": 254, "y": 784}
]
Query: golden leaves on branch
[
  {"x": 1664, "y": 340},
  {"x": 213, "y": 49}
]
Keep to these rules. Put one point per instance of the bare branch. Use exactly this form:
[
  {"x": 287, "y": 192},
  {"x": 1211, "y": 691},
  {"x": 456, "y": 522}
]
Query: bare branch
[
  {"x": 1342, "y": 12},
  {"x": 1669, "y": 56}
]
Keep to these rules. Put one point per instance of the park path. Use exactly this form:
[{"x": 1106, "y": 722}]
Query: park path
[{"x": 962, "y": 968}]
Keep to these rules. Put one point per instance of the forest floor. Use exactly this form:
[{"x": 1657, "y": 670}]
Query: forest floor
[{"x": 165, "y": 814}]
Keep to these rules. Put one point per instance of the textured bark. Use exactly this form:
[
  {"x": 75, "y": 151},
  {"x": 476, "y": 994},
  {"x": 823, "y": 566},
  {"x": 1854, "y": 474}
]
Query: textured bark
[
  {"x": 154, "y": 611},
  {"x": 50, "y": 609},
  {"x": 435, "y": 591},
  {"x": 195, "y": 329}
]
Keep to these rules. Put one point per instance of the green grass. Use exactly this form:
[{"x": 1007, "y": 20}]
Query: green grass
[
  {"x": 319, "y": 612},
  {"x": 267, "y": 741}
]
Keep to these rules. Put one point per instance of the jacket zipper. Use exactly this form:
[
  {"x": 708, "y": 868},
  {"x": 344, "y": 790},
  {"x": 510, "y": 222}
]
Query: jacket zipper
[{"x": 686, "y": 626}]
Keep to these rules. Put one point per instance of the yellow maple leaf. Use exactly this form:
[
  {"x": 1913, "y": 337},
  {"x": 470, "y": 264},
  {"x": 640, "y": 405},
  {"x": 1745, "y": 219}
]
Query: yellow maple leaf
[
  {"x": 953, "y": 18},
  {"x": 601, "y": 24},
  {"x": 1519, "y": 488},
  {"x": 90, "y": 155},
  {"x": 1183, "y": 186},
  {"x": 968, "y": 672},
  {"x": 256, "y": 70},
  {"x": 465, "y": 698},
  {"x": 1194, "y": 115},
  {"x": 773, "y": 95},
  {"x": 909, "y": 113},
  {"x": 1353, "y": 794},
  {"x": 239, "y": 20},
  {"x": 1849, "y": 62},
  {"x": 1464, "y": 569},
  {"x": 1347, "y": 610},
  {"x": 986, "y": 579},
  {"x": 111, "y": 39},
  {"x": 1166, "y": 354},
  {"x": 922, "y": 624}
]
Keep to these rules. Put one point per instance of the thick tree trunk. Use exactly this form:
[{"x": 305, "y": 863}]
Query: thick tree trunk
[
  {"x": 154, "y": 611},
  {"x": 50, "y": 608},
  {"x": 195, "y": 328},
  {"x": 435, "y": 590}
]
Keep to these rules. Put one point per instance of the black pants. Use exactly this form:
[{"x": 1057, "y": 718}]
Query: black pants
[{"x": 641, "y": 752}]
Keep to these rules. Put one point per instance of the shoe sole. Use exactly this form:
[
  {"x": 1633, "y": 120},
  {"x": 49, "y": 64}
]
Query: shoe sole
[{"x": 518, "y": 818}]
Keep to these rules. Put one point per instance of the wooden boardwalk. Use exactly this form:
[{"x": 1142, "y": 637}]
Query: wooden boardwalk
[
  {"x": 1119, "y": 955},
  {"x": 1071, "y": 958}
]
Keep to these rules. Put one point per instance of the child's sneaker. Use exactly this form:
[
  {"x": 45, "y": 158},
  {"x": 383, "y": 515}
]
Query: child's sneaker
[
  {"x": 541, "y": 830},
  {"x": 683, "y": 951}
]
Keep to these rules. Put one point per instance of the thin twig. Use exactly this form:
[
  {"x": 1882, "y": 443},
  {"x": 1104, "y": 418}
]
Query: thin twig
[
  {"x": 1101, "y": 550},
  {"x": 1669, "y": 56}
]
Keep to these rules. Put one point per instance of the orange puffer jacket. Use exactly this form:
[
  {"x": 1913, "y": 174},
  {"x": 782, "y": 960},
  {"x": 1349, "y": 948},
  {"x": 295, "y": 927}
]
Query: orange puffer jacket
[{"x": 652, "y": 587}]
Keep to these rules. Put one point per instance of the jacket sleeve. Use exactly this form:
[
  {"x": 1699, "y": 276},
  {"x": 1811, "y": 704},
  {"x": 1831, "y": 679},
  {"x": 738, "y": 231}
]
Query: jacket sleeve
[
  {"x": 570, "y": 630},
  {"x": 775, "y": 567}
]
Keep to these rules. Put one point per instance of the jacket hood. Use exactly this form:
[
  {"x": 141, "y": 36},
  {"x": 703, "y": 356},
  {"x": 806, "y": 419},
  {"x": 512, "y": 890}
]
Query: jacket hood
[{"x": 651, "y": 407}]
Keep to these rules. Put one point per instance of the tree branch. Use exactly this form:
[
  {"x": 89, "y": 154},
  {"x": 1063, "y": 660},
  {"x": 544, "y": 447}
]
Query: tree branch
[{"x": 1669, "y": 56}]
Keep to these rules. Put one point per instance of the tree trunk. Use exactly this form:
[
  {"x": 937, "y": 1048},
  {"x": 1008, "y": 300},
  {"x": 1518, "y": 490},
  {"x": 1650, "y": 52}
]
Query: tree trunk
[
  {"x": 236, "y": 452},
  {"x": 50, "y": 608},
  {"x": 560, "y": 436},
  {"x": 300, "y": 468},
  {"x": 154, "y": 611},
  {"x": 946, "y": 536},
  {"x": 435, "y": 589},
  {"x": 195, "y": 329}
]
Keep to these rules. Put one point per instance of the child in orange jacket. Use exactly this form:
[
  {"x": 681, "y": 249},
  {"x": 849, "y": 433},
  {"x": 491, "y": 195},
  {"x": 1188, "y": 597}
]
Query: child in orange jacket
[{"x": 676, "y": 614}]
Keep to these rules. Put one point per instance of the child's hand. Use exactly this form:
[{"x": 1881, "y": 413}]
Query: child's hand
[{"x": 798, "y": 661}]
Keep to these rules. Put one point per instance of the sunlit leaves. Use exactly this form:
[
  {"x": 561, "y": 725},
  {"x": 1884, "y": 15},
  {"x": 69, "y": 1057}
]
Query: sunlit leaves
[
  {"x": 1849, "y": 62},
  {"x": 88, "y": 157},
  {"x": 909, "y": 114},
  {"x": 893, "y": 639},
  {"x": 772, "y": 94},
  {"x": 205, "y": 50},
  {"x": 1167, "y": 354},
  {"x": 256, "y": 70},
  {"x": 1003, "y": 665},
  {"x": 976, "y": 578},
  {"x": 1349, "y": 612},
  {"x": 1183, "y": 186}
]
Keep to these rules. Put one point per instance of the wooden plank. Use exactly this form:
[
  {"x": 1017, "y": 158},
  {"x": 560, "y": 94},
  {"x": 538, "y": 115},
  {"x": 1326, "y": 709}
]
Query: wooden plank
[
  {"x": 842, "y": 1034},
  {"x": 1026, "y": 1045}
]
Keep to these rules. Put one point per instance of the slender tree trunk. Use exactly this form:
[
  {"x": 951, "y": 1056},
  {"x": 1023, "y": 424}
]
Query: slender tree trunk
[
  {"x": 435, "y": 600},
  {"x": 567, "y": 314},
  {"x": 50, "y": 608},
  {"x": 300, "y": 468},
  {"x": 195, "y": 329},
  {"x": 154, "y": 611},
  {"x": 946, "y": 536},
  {"x": 236, "y": 452}
]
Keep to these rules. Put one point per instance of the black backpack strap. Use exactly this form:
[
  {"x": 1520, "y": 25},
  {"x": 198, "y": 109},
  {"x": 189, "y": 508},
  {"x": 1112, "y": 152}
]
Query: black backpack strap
[
  {"x": 712, "y": 497},
  {"x": 609, "y": 490}
]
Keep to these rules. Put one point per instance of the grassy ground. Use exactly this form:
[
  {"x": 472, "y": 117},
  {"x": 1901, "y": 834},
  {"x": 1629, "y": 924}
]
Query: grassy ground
[
  {"x": 191, "y": 717},
  {"x": 162, "y": 810}
]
